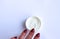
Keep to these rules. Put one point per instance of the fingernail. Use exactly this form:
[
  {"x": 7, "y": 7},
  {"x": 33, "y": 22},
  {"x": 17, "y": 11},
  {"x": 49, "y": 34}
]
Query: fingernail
[
  {"x": 25, "y": 30},
  {"x": 15, "y": 37},
  {"x": 32, "y": 30},
  {"x": 38, "y": 35}
]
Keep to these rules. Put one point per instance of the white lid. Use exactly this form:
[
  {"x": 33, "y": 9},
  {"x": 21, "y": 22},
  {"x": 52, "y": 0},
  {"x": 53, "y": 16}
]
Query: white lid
[{"x": 33, "y": 22}]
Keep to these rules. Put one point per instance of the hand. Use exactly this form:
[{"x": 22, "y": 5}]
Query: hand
[{"x": 29, "y": 36}]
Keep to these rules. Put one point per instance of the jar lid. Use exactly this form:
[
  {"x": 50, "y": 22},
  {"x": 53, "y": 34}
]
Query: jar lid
[{"x": 33, "y": 22}]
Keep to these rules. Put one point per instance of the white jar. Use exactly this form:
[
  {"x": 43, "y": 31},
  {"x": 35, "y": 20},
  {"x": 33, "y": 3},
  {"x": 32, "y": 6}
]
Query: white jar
[{"x": 33, "y": 22}]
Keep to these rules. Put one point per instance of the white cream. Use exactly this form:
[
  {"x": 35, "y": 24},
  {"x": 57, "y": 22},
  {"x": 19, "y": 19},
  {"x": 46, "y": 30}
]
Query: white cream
[{"x": 33, "y": 22}]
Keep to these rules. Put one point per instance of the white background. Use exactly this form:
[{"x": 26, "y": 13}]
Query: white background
[{"x": 14, "y": 12}]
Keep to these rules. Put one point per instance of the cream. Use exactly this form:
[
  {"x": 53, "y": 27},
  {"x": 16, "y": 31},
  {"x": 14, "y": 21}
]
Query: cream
[{"x": 33, "y": 22}]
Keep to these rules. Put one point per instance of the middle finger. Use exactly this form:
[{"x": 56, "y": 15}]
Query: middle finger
[{"x": 30, "y": 35}]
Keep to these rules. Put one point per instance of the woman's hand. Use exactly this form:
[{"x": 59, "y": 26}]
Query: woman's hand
[{"x": 29, "y": 36}]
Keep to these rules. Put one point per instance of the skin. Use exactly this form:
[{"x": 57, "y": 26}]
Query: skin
[{"x": 29, "y": 36}]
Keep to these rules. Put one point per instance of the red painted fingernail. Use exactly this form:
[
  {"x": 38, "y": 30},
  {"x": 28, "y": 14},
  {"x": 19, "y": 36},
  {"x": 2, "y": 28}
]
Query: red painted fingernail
[
  {"x": 25, "y": 30},
  {"x": 15, "y": 37},
  {"x": 38, "y": 35},
  {"x": 32, "y": 30}
]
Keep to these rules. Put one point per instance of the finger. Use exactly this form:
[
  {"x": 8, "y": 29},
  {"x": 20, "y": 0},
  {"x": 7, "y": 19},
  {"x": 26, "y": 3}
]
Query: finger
[
  {"x": 30, "y": 35},
  {"x": 37, "y": 36},
  {"x": 23, "y": 34},
  {"x": 14, "y": 37}
]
